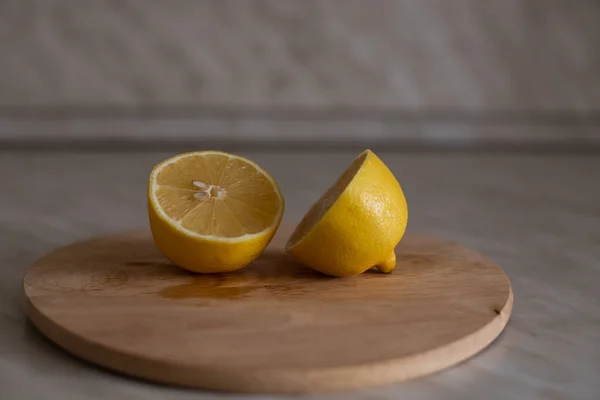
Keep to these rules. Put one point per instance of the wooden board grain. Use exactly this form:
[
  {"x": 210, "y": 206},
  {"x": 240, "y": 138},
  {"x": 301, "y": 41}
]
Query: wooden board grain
[{"x": 275, "y": 326}]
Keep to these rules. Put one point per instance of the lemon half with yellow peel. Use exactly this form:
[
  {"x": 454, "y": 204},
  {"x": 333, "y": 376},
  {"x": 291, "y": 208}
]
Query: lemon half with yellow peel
[
  {"x": 211, "y": 211},
  {"x": 356, "y": 224}
]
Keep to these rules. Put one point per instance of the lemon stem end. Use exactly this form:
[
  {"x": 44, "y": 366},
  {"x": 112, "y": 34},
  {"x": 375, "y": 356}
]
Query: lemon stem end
[{"x": 388, "y": 264}]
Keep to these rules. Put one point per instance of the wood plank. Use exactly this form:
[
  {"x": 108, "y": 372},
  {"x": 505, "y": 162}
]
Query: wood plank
[{"x": 274, "y": 326}]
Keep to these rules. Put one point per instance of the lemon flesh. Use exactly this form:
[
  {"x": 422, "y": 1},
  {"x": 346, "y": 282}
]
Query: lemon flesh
[
  {"x": 211, "y": 211},
  {"x": 356, "y": 224}
]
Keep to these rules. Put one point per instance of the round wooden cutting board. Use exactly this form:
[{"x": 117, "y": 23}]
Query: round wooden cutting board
[{"x": 274, "y": 326}]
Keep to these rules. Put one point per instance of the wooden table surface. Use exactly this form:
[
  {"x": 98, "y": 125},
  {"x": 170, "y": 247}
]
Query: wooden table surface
[{"x": 536, "y": 216}]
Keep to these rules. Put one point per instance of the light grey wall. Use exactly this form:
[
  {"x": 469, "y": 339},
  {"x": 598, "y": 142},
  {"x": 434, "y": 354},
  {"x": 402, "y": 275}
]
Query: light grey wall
[{"x": 69, "y": 67}]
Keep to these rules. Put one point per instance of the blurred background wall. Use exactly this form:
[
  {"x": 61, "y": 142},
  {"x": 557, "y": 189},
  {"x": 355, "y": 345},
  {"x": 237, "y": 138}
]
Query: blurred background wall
[{"x": 425, "y": 73}]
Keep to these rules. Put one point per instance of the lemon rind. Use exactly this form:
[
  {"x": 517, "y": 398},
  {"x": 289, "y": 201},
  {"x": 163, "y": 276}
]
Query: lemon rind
[{"x": 288, "y": 247}]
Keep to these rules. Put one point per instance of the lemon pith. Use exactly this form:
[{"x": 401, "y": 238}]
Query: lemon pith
[
  {"x": 356, "y": 224},
  {"x": 210, "y": 211}
]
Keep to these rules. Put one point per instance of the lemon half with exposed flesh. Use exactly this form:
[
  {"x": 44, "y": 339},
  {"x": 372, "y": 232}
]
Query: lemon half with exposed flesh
[
  {"x": 211, "y": 211},
  {"x": 356, "y": 224}
]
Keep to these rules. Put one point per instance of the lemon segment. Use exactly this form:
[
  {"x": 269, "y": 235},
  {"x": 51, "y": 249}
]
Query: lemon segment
[
  {"x": 211, "y": 211},
  {"x": 356, "y": 224}
]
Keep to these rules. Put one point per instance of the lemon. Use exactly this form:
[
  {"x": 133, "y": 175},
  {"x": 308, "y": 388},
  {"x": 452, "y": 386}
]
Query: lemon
[
  {"x": 211, "y": 211},
  {"x": 356, "y": 224}
]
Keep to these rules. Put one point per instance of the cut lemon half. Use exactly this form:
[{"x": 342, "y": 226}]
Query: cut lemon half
[
  {"x": 356, "y": 224},
  {"x": 211, "y": 211}
]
